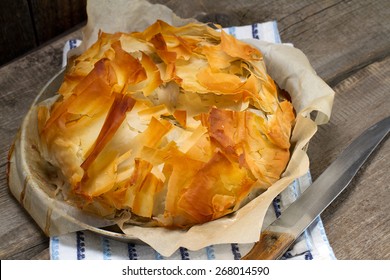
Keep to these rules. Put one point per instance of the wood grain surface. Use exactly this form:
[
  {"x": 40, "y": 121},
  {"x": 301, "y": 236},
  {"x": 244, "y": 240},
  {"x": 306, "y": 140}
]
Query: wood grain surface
[
  {"x": 27, "y": 24},
  {"x": 16, "y": 36},
  {"x": 358, "y": 222},
  {"x": 348, "y": 45},
  {"x": 53, "y": 17}
]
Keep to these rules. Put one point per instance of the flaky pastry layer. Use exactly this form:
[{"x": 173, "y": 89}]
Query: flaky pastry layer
[{"x": 172, "y": 126}]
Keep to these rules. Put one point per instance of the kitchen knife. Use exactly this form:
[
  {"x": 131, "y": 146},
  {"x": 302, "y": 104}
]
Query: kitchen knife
[{"x": 276, "y": 238}]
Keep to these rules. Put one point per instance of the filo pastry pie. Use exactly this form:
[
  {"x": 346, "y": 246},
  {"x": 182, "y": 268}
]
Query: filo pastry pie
[{"x": 172, "y": 126}]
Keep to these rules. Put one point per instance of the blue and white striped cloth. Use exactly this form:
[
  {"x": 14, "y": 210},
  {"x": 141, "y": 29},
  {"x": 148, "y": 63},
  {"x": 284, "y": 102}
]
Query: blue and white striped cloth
[{"x": 312, "y": 244}]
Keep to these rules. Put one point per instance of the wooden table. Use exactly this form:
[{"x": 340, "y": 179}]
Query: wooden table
[{"x": 347, "y": 43}]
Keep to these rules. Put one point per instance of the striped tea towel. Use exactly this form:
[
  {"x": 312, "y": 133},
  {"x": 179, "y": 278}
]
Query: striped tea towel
[{"x": 312, "y": 244}]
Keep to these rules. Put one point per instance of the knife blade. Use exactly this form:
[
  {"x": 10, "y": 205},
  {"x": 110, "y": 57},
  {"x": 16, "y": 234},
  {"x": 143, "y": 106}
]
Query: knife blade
[{"x": 278, "y": 237}]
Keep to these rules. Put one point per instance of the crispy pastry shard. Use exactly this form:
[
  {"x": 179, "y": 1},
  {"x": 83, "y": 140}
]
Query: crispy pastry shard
[{"x": 174, "y": 125}]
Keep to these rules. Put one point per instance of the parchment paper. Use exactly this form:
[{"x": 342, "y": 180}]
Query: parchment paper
[{"x": 288, "y": 66}]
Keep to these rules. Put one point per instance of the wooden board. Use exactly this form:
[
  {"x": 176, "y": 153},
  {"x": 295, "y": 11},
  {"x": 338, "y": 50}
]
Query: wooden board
[
  {"x": 53, "y": 17},
  {"x": 16, "y": 30},
  {"x": 26, "y": 24},
  {"x": 360, "y": 216}
]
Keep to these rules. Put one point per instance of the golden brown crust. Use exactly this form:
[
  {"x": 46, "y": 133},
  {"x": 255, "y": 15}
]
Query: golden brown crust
[{"x": 177, "y": 125}]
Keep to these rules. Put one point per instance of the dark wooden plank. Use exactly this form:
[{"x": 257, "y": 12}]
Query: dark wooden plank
[
  {"x": 339, "y": 37},
  {"x": 53, "y": 17},
  {"x": 16, "y": 31}
]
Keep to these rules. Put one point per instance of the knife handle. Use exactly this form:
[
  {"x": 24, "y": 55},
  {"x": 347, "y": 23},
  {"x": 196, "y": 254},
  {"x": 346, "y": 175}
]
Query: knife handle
[{"x": 271, "y": 246}]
